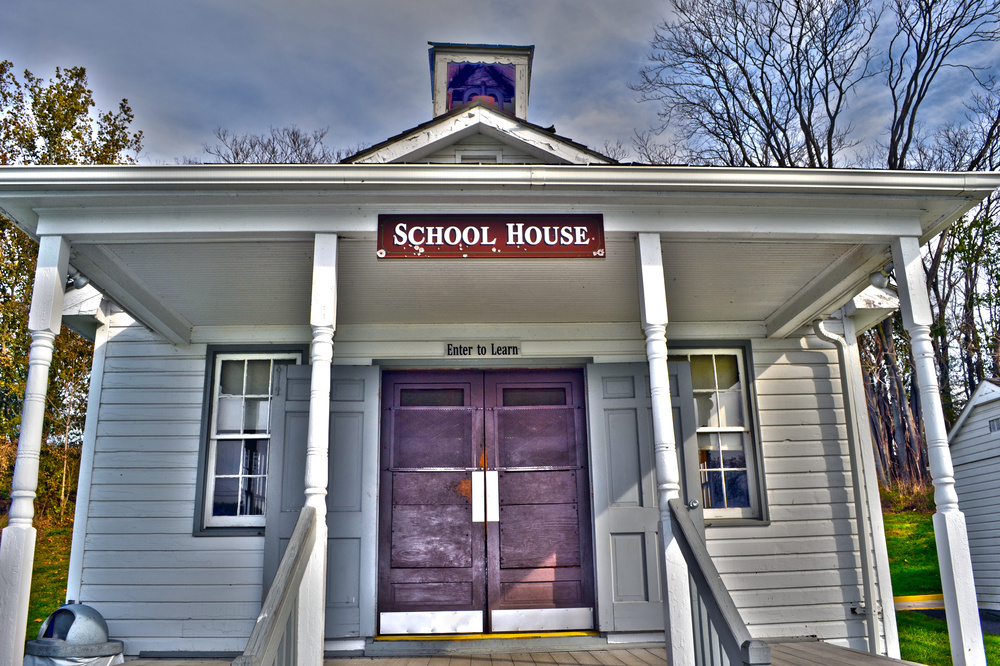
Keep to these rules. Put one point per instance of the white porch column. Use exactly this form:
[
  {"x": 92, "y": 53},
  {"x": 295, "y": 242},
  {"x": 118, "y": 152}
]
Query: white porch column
[
  {"x": 952, "y": 539},
  {"x": 17, "y": 552},
  {"x": 323, "y": 318},
  {"x": 676, "y": 587}
]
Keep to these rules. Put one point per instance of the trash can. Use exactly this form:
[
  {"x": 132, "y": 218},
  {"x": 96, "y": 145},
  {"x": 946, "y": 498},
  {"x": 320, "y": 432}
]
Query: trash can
[{"x": 75, "y": 635}]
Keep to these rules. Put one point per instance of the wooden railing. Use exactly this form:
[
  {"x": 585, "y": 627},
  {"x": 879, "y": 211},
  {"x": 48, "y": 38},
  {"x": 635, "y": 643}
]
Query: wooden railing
[
  {"x": 274, "y": 640},
  {"x": 721, "y": 638}
]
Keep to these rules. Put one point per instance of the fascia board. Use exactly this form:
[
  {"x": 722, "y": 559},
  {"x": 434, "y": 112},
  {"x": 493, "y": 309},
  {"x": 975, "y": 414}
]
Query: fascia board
[
  {"x": 935, "y": 199},
  {"x": 358, "y": 217},
  {"x": 426, "y": 140},
  {"x": 50, "y": 180}
]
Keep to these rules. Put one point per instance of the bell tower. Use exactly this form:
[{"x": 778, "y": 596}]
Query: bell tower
[{"x": 494, "y": 75}]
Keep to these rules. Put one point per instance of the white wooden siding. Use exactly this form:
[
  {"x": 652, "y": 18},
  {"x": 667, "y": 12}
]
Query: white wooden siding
[
  {"x": 143, "y": 570},
  {"x": 975, "y": 453},
  {"x": 154, "y": 581},
  {"x": 799, "y": 575}
]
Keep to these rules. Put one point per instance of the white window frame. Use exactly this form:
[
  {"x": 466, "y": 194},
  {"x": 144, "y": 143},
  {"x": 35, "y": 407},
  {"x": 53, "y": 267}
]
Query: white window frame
[
  {"x": 213, "y": 437},
  {"x": 751, "y": 440}
]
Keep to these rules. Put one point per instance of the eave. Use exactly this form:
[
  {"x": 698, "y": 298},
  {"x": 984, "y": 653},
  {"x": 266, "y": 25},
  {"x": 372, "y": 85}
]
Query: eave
[{"x": 801, "y": 242}]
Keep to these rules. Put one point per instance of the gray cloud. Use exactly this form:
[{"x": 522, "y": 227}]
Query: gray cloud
[{"x": 359, "y": 68}]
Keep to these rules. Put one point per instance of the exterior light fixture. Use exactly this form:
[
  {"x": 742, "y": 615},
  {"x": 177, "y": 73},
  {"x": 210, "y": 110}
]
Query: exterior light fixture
[
  {"x": 880, "y": 278},
  {"x": 76, "y": 280}
]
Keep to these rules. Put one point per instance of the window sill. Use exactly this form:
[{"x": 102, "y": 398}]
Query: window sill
[
  {"x": 234, "y": 531},
  {"x": 736, "y": 522}
]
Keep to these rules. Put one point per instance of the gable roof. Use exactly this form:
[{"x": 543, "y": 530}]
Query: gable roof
[
  {"x": 478, "y": 118},
  {"x": 987, "y": 391}
]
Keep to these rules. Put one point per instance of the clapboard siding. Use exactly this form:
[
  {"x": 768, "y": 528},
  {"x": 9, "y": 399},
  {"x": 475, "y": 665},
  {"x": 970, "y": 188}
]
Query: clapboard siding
[
  {"x": 975, "y": 453},
  {"x": 143, "y": 569},
  {"x": 800, "y": 574},
  {"x": 153, "y": 580}
]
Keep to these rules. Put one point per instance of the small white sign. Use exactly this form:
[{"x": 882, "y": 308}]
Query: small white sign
[{"x": 482, "y": 349}]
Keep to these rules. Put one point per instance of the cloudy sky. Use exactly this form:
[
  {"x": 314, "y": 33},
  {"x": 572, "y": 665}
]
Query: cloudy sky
[{"x": 358, "y": 67}]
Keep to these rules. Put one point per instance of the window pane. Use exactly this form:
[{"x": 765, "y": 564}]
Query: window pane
[
  {"x": 227, "y": 456},
  {"x": 255, "y": 456},
  {"x": 702, "y": 372},
  {"x": 256, "y": 414},
  {"x": 708, "y": 412},
  {"x": 224, "y": 503},
  {"x": 229, "y": 415},
  {"x": 730, "y": 408},
  {"x": 708, "y": 451},
  {"x": 231, "y": 378},
  {"x": 445, "y": 397},
  {"x": 253, "y": 496},
  {"x": 727, "y": 372},
  {"x": 730, "y": 441},
  {"x": 731, "y": 459},
  {"x": 737, "y": 493},
  {"x": 533, "y": 397},
  {"x": 712, "y": 491},
  {"x": 258, "y": 377}
]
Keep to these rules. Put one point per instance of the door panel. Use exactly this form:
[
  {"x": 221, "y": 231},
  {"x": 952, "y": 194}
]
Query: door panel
[
  {"x": 431, "y": 555},
  {"x": 351, "y": 547},
  {"x": 485, "y": 498},
  {"x": 627, "y": 518},
  {"x": 540, "y": 548}
]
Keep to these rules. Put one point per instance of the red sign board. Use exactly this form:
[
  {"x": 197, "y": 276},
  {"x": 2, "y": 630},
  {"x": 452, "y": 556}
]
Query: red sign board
[{"x": 490, "y": 236}]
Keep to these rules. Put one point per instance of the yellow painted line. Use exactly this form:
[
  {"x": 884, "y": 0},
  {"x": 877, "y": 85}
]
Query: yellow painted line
[
  {"x": 472, "y": 637},
  {"x": 919, "y": 602}
]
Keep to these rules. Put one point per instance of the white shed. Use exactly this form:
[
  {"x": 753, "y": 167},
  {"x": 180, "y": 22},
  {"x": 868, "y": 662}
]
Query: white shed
[{"x": 975, "y": 449}]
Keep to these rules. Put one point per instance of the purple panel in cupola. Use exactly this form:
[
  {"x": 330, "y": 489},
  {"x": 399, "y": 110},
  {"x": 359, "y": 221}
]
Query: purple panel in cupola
[{"x": 491, "y": 84}]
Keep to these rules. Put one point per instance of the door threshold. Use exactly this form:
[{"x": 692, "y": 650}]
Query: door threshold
[
  {"x": 467, "y": 644},
  {"x": 479, "y": 637}
]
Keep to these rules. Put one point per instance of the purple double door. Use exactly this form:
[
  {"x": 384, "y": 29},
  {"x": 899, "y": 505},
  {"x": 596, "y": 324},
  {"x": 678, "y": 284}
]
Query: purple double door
[{"x": 484, "y": 503}]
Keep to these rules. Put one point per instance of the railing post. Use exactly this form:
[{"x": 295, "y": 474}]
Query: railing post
[
  {"x": 755, "y": 653},
  {"x": 950, "y": 533},
  {"x": 323, "y": 317},
  {"x": 676, "y": 585}
]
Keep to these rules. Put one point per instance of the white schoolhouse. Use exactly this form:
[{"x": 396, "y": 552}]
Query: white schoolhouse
[{"x": 479, "y": 381}]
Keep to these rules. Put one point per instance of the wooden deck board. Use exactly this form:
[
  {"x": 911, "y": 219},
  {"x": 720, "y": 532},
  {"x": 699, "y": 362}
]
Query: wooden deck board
[
  {"x": 808, "y": 653},
  {"x": 818, "y": 653},
  {"x": 648, "y": 656}
]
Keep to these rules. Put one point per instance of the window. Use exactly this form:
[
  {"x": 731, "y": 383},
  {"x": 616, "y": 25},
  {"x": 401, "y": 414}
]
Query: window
[
  {"x": 727, "y": 468},
  {"x": 994, "y": 425},
  {"x": 239, "y": 433}
]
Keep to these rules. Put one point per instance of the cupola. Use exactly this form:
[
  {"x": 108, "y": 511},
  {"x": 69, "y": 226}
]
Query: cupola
[{"x": 495, "y": 75}]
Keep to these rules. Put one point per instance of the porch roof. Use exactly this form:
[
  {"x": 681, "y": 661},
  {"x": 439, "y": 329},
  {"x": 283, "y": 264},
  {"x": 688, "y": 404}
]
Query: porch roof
[{"x": 192, "y": 249}]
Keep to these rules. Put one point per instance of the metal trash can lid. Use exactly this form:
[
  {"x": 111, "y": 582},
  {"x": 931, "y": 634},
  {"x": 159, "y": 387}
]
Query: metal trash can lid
[{"x": 76, "y": 624}]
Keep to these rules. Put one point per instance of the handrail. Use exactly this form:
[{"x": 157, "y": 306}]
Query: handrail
[
  {"x": 732, "y": 632},
  {"x": 270, "y": 633}
]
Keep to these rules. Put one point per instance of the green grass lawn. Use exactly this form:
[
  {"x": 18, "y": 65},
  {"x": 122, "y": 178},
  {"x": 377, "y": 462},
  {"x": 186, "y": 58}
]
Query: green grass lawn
[
  {"x": 48, "y": 575},
  {"x": 913, "y": 563},
  {"x": 924, "y": 640},
  {"x": 913, "y": 566}
]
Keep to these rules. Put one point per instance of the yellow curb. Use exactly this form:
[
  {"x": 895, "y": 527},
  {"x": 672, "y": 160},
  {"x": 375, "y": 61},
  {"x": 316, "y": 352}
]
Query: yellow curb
[{"x": 919, "y": 602}]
